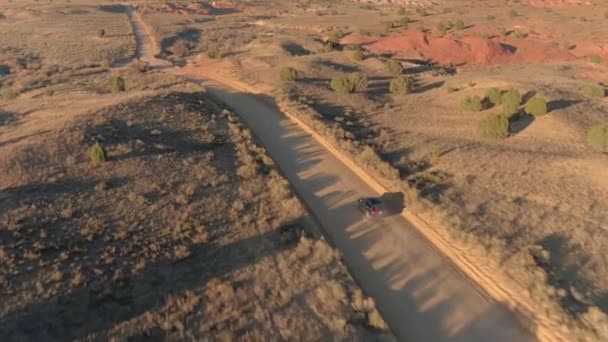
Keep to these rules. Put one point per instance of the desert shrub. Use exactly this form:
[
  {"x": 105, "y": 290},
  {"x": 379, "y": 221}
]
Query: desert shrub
[
  {"x": 180, "y": 49},
  {"x": 474, "y": 103},
  {"x": 459, "y": 25},
  {"x": 536, "y": 106},
  {"x": 597, "y": 137},
  {"x": 394, "y": 67},
  {"x": 422, "y": 11},
  {"x": 401, "y": 11},
  {"x": 511, "y": 97},
  {"x": 494, "y": 126},
  {"x": 7, "y": 93},
  {"x": 594, "y": 90},
  {"x": 388, "y": 26},
  {"x": 49, "y": 92},
  {"x": 117, "y": 83},
  {"x": 140, "y": 66},
  {"x": 214, "y": 53},
  {"x": 358, "y": 55},
  {"x": 513, "y": 13},
  {"x": 400, "y": 85},
  {"x": 327, "y": 47},
  {"x": 404, "y": 21},
  {"x": 365, "y": 32},
  {"x": 335, "y": 37},
  {"x": 452, "y": 90},
  {"x": 342, "y": 85},
  {"x": 494, "y": 96},
  {"x": 288, "y": 74},
  {"x": 359, "y": 81},
  {"x": 596, "y": 59},
  {"x": 606, "y": 14},
  {"x": 490, "y": 17},
  {"x": 510, "y": 109},
  {"x": 97, "y": 153},
  {"x": 442, "y": 28},
  {"x": 101, "y": 33}
]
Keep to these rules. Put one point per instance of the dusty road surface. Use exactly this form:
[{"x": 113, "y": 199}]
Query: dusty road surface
[{"x": 419, "y": 294}]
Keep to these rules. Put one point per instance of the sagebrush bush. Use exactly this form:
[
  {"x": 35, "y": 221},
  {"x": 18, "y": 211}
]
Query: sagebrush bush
[
  {"x": 594, "y": 90},
  {"x": 597, "y": 137},
  {"x": 388, "y": 26},
  {"x": 536, "y": 106},
  {"x": 359, "y": 81},
  {"x": 394, "y": 67},
  {"x": 97, "y": 153},
  {"x": 358, "y": 55},
  {"x": 101, "y": 33},
  {"x": 400, "y": 85},
  {"x": 494, "y": 96},
  {"x": 459, "y": 25},
  {"x": 117, "y": 83},
  {"x": 442, "y": 28},
  {"x": 215, "y": 53},
  {"x": 342, "y": 85},
  {"x": 288, "y": 74},
  {"x": 327, "y": 47},
  {"x": 7, "y": 93},
  {"x": 474, "y": 103},
  {"x": 494, "y": 126},
  {"x": 597, "y": 59}
]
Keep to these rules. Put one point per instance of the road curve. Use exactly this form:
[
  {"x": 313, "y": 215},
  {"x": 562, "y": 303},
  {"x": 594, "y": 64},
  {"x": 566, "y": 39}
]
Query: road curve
[{"x": 419, "y": 294}]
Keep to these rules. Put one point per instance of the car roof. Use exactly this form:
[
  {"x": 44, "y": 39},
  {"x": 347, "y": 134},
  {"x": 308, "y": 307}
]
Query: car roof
[{"x": 373, "y": 200}]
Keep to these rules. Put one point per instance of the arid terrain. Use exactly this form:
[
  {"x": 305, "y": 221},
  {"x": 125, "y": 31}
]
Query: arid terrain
[
  {"x": 184, "y": 230},
  {"x": 490, "y": 116},
  {"x": 530, "y": 208}
]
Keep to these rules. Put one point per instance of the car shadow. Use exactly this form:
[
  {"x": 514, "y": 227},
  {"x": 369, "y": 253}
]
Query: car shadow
[{"x": 394, "y": 203}]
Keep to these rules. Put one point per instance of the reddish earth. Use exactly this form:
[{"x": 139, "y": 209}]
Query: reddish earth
[
  {"x": 193, "y": 8},
  {"x": 473, "y": 50},
  {"x": 557, "y": 3}
]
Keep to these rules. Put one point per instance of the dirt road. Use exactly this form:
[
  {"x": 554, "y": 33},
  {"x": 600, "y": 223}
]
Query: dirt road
[{"x": 420, "y": 295}]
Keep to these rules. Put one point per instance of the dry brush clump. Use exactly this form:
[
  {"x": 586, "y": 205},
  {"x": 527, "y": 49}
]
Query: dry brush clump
[
  {"x": 288, "y": 74},
  {"x": 117, "y": 83}
]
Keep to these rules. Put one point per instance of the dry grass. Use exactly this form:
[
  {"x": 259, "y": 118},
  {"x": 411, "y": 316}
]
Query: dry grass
[
  {"x": 65, "y": 34},
  {"x": 166, "y": 239}
]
